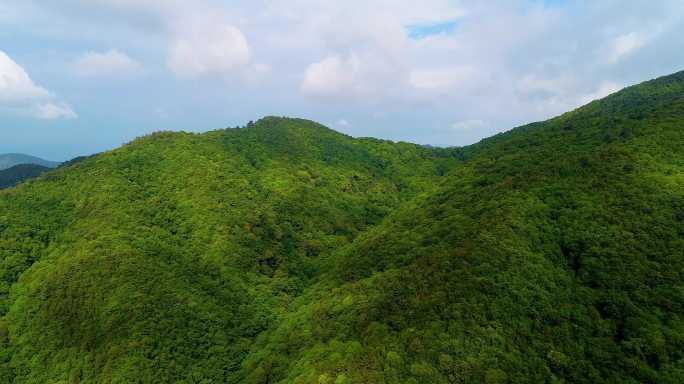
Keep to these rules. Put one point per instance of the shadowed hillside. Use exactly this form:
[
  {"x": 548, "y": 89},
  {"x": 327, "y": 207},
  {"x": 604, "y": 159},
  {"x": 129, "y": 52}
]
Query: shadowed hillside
[{"x": 14, "y": 175}]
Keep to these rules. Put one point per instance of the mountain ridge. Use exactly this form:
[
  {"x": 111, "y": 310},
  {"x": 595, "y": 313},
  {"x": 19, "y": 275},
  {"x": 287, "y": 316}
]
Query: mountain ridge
[
  {"x": 575, "y": 210},
  {"x": 284, "y": 252},
  {"x": 8, "y": 160}
]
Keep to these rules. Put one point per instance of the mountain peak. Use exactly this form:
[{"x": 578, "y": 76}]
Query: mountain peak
[{"x": 289, "y": 124}]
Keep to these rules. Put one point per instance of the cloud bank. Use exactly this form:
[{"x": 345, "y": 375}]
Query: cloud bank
[
  {"x": 109, "y": 63},
  {"x": 441, "y": 72},
  {"x": 19, "y": 94}
]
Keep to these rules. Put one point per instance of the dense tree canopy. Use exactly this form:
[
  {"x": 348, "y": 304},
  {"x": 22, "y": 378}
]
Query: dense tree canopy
[
  {"x": 284, "y": 252},
  {"x": 14, "y": 175}
]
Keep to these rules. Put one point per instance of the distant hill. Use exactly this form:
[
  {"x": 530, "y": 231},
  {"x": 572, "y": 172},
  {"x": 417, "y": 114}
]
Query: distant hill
[
  {"x": 14, "y": 175},
  {"x": 19, "y": 173},
  {"x": 285, "y": 252},
  {"x": 11, "y": 159}
]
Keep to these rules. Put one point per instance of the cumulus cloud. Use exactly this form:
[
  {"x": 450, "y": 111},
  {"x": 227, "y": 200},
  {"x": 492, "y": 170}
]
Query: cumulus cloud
[
  {"x": 538, "y": 87},
  {"x": 419, "y": 65},
  {"x": 112, "y": 62},
  {"x": 210, "y": 50},
  {"x": 624, "y": 45},
  {"x": 353, "y": 76},
  {"x": 364, "y": 50},
  {"x": 202, "y": 38},
  {"x": 52, "y": 111},
  {"x": 443, "y": 78},
  {"x": 20, "y": 94},
  {"x": 563, "y": 92},
  {"x": 15, "y": 84},
  {"x": 606, "y": 88},
  {"x": 334, "y": 76},
  {"x": 468, "y": 125}
]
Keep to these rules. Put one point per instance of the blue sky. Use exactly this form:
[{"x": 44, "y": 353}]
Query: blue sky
[
  {"x": 426, "y": 30},
  {"x": 83, "y": 76}
]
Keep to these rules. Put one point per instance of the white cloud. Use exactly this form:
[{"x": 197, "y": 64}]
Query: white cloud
[
  {"x": 563, "y": 92},
  {"x": 52, "y": 111},
  {"x": 333, "y": 76},
  {"x": 112, "y": 62},
  {"x": 537, "y": 86},
  {"x": 358, "y": 54},
  {"x": 15, "y": 84},
  {"x": 625, "y": 45},
  {"x": 509, "y": 62},
  {"x": 440, "y": 79},
  {"x": 202, "y": 37},
  {"x": 606, "y": 88},
  {"x": 355, "y": 76},
  {"x": 469, "y": 125},
  {"x": 20, "y": 94},
  {"x": 136, "y": 5},
  {"x": 343, "y": 122},
  {"x": 218, "y": 49}
]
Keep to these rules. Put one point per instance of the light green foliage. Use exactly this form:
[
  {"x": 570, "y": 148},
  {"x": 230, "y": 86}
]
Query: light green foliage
[
  {"x": 284, "y": 252},
  {"x": 163, "y": 260}
]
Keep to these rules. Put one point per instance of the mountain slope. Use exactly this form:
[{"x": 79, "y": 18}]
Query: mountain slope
[
  {"x": 285, "y": 252},
  {"x": 9, "y": 160},
  {"x": 14, "y": 175},
  {"x": 554, "y": 254},
  {"x": 161, "y": 261}
]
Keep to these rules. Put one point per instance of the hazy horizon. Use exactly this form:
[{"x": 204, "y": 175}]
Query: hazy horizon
[{"x": 84, "y": 77}]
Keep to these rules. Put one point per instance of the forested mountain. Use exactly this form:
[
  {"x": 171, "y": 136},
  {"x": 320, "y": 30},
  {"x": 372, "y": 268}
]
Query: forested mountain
[
  {"x": 9, "y": 160},
  {"x": 18, "y": 173},
  {"x": 166, "y": 258},
  {"x": 284, "y": 252}
]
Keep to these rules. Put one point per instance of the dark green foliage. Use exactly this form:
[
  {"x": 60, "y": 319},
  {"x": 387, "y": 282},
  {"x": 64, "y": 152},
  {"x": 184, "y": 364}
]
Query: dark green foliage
[
  {"x": 285, "y": 252},
  {"x": 14, "y": 175}
]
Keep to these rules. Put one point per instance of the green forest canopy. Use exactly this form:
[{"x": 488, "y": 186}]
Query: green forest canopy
[
  {"x": 285, "y": 252},
  {"x": 14, "y": 175}
]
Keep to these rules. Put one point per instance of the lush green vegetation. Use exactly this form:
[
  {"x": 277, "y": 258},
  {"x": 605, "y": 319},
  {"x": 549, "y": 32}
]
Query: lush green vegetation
[
  {"x": 14, "y": 175},
  {"x": 284, "y": 252},
  {"x": 163, "y": 260}
]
